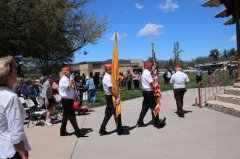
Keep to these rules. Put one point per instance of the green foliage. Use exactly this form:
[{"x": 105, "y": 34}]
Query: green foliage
[
  {"x": 149, "y": 59},
  {"x": 229, "y": 54},
  {"x": 214, "y": 54},
  {"x": 47, "y": 32}
]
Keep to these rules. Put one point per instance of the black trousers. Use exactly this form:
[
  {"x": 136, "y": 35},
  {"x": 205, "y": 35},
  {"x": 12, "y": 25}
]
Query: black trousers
[
  {"x": 136, "y": 84},
  {"x": 16, "y": 156},
  {"x": 198, "y": 79},
  {"x": 179, "y": 95},
  {"x": 129, "y": 84},
  {"x": 68, "y": 113},
  {"x": 109, "y": 111},
  {"x": 148, "y": 102},
  {"x": 165, "y": 80}
]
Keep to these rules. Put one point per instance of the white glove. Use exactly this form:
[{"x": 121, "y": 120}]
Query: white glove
[
  {"x": 72, "y": 77},
  {"x": 117, "y": 100}
]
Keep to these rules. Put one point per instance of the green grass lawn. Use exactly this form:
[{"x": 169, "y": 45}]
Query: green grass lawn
[{"x": 130, "y": 94}]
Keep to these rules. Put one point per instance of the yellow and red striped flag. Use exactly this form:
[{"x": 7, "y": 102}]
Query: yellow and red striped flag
[{"x": 115, "y": 76}]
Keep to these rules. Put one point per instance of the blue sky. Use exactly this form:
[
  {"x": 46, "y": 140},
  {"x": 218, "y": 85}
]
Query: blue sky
[{"x": 138, "y": 23}]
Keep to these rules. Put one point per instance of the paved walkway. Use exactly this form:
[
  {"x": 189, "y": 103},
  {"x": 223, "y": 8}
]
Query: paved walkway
[{"x": 202, "y": 134}]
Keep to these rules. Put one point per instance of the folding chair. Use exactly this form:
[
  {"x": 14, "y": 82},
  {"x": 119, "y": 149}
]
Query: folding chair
[
  {"x": 40, "y": 102},
  {"x": 35, "y": 111},
  {"x": 22, "y": 100},
  {"x": 26, "y": 108}
]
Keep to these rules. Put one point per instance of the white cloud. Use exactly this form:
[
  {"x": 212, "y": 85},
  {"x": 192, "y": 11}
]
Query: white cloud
[
  {"x": 139, "y": 6},
  {"x": 233, "y": 38},
  {"x": 169, "y": 5},
  {"x": 119, "y": 36},
  {"x": 150, "y": 29}
]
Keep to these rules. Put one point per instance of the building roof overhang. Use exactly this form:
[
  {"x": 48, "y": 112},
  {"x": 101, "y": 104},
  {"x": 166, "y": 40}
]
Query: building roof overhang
[{"x": 230, "y": 9}]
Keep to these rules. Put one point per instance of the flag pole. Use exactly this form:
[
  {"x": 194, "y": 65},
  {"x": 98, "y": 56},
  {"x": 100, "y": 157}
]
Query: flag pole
[
  {"x": 157, "y": 90},
  {"x": 115, "y": 75}
]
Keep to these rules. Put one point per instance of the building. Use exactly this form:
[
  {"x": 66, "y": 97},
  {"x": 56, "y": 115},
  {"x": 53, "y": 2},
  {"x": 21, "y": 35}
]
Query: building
[
  {"x": 98, "y": 67},
  {"x": 214, "y": 65}
]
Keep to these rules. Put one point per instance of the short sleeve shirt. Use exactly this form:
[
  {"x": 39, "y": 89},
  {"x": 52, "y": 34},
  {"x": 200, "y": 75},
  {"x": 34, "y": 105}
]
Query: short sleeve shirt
[
  {"x": 179, "y": 80},
  {"x": 146, "y": 80},
  {"x": 107, "y": 82},
  {"x": 63, "y": 84},
  {"x": 47, "y": 90}
]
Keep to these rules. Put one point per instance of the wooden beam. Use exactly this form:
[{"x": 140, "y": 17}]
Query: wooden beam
[
  {"x": 212, "y": 3},
  {"x": 237, "y": 6},
  {"x": 230, "y": 21},
  {"x": 222, "y": 14}
]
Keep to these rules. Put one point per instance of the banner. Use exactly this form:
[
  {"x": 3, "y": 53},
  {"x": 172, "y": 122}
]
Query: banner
[{"x": 115, "y": 76}]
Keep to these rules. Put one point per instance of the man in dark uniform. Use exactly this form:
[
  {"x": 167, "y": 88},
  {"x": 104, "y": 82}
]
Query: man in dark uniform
[
  {"x": 110, "y": 110},
  {"x": 149, "y": 98}
]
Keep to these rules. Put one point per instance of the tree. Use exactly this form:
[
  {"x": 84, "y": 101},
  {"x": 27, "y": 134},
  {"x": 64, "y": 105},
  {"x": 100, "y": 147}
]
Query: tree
[
  {"x": 233, "y": 53},
  {"x": 171, "y": 64},
  {"x": 214, "y": 54},
  {"x": 149, "y": 59},
  {"x": 48, "y": 31},
  {"x": 226, "y": 54},
  {"x": 177, "y": 53}
]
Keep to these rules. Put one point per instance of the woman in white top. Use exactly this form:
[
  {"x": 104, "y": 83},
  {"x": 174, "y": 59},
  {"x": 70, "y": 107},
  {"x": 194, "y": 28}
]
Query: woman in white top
[{"x": 13, "y": 140}]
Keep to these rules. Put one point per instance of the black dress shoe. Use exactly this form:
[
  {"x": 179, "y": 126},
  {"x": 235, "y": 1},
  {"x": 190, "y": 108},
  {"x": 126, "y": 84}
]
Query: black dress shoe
[
  {"x": 103, "y": 132},
  {"x": 181, "y": 115},
  {"x": 64, "y": 133},
  {"x": 123, "y": 133},
  {"x": 80, "y": 133},
  {"x": 163, "y": 121},
  {"x": 160, "y": 123},
  {"x": 140, "y": 124}
]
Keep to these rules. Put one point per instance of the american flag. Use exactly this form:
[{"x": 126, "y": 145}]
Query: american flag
[{"x": 157, "y": 89}]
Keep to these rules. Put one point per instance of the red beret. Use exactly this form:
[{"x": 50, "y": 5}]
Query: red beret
[
  {"x": 148, "y": 63},
  {"x": 107, "y": 65},
  {"x": 177, "y": 66},
  {"x": 67, "y": 68}
]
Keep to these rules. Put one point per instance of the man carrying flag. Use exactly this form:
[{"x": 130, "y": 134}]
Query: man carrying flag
[
  {"x": 112, "y": 93},
  {"x": 151, "y": 94},
  {"x": 149, "y": 98}
]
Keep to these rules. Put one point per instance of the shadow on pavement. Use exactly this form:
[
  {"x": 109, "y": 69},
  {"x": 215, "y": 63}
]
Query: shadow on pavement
[{"x": 185, "y": 111}]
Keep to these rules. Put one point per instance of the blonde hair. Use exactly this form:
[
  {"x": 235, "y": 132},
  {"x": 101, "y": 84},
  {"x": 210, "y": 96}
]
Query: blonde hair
[{"x": 7, "y": 64}]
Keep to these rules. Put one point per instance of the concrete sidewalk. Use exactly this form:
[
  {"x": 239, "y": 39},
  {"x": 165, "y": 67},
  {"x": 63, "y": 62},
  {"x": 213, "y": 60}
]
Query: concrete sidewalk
[{"x": 202, "y": 134}]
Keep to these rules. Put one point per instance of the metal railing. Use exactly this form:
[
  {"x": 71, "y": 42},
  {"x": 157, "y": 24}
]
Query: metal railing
[{"x": 215, "y": 83}]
